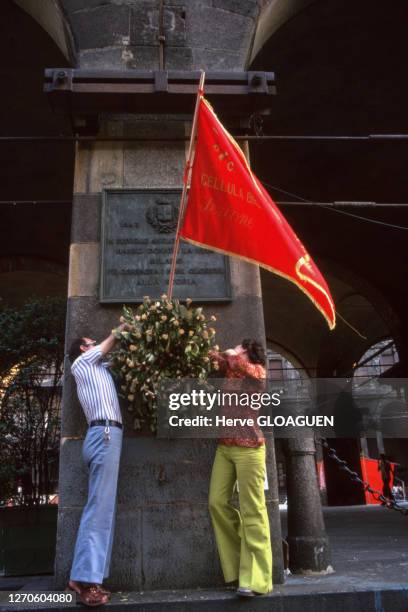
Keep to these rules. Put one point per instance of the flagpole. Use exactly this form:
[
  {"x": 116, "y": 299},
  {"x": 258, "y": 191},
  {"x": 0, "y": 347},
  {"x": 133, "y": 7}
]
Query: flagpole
[{"x": 186, "y": 179}]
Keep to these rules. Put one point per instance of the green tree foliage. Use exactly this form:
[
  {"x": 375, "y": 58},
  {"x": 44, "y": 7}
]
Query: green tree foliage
[{"x": 31, "y": 362}]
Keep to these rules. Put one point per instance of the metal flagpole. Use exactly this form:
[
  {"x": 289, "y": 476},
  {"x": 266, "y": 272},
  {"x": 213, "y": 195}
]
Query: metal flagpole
[{"x": 183, "y": 199}]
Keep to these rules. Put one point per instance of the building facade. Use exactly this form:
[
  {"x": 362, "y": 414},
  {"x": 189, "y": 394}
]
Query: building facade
[{"x": 339, "y": 181}]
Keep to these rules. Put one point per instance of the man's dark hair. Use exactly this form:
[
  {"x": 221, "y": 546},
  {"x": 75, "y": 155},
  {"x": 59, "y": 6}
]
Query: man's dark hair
[
  {"x": 75, "y": 348},
  {"x": 255, "y": 350}
]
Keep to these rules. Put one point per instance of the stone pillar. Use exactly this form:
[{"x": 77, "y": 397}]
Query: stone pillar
[
  {"x": 308, "y": 542},
  {"x": 163, "y": 533},
  {"x": 273, "y": 492}
]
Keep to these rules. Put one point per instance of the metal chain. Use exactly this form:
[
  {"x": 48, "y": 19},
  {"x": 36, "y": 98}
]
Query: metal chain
[{"x": 389, "y": 503}]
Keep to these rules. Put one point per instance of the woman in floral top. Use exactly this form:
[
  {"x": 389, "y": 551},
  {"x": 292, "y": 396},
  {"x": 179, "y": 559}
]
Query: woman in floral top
[{"x": 243, "y": 537}]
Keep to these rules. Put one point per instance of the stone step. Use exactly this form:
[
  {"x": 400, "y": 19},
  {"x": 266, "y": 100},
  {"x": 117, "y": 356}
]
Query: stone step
[{"x": 301, "y": 597}]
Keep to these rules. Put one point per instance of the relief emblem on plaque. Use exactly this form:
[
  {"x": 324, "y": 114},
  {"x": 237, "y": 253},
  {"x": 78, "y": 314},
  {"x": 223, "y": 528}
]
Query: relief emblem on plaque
[{"x": 162, "y": 216}]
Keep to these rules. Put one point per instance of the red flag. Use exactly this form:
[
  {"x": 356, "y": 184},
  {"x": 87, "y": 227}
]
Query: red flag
[{"x": 229, "y": 211}]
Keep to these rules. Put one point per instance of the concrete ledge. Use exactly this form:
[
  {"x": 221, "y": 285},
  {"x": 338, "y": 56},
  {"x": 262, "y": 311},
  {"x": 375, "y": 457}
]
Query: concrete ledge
[
  {"x": 299, "y": 595},
  {"x": 371, "y": 574}
]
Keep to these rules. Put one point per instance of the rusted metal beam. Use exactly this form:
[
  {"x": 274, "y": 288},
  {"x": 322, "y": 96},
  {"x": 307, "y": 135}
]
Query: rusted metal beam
[{"x": 87, "y": 93}]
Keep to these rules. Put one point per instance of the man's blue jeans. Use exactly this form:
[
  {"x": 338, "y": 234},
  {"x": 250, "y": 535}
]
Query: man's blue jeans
[{"x": 93, "y": 547}]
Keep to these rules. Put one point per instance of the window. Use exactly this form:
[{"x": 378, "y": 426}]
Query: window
[{"x": 275, "y": 369}]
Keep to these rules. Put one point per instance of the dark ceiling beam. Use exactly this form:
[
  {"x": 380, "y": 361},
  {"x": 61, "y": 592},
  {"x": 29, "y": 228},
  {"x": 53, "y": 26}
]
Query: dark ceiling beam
[{"x": 83, "y": 94}]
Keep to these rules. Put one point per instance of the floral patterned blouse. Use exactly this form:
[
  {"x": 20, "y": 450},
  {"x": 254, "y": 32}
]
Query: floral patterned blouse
[{"x": 236, "y": 366}]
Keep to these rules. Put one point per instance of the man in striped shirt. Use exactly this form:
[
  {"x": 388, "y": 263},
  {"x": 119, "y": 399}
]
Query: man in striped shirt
[{"x": 101, "y": 453}]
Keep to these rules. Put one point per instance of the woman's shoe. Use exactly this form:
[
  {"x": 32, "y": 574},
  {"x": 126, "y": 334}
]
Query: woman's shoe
[{"x": 244, "y": 592}]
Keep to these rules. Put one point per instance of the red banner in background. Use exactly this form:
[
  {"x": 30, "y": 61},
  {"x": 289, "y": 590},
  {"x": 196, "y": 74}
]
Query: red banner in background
[
  {"x": 372, "y": 475},
  {"x": 229, "y": 211}
]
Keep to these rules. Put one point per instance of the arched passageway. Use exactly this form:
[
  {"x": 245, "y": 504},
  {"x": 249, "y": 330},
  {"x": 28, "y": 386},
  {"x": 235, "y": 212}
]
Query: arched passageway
[
  {"x": 338, "y": 73},
  {"x": 36, "y": 191},
  {"x": 51, "y": 17},
  {"x": 24, "y": 277}
]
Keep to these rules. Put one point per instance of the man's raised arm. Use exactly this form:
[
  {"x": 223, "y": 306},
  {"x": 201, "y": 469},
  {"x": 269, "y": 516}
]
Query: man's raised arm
[{"x": 107, "y": 345}]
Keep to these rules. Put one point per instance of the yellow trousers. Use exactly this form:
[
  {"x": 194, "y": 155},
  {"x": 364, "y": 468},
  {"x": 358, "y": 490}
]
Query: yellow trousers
[{"x": 243, "y": 537}]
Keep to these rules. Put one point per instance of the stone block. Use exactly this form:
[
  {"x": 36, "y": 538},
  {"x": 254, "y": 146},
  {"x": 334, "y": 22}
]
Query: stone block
[
  {"x": 175, "y": 26},
  {"x": 86, "y": 218},
  {"x": 68, "y": 523},
  {"x": 245, "y": 278},
  {"x": 152, "y": 471},
  {"x": 107, "y": 25},
  {"x": 178, "y": 547},
  {"x": 162, "y": 515},
  {"x": 155, "y": 471},
  {"x": 82, "y": 162},
  {"x": 139, "y": 57},
  {"x": 106, "y": 164},
  {"x": 154, "y": 164},
  {"x": 128, "y": 555},
  {"x": 179, "y": 58},
  {"x": 83, "y": 269},
  {"x": 144, "y": 25},
  {"x": 99, "y": 165},
  {"x": 73, "y": 421},
  {"x": 248, "y": 8},
  {"x": 79, "y": 5},
  {"x": 73, "y": 474},
  {"x": 104, "y": 59},
  {"x": 217, "y": 29},
  {"x": 212, "y": 59}
]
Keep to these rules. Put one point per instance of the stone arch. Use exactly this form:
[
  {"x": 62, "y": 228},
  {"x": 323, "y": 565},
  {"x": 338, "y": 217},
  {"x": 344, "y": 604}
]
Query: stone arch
[
  {"x": 51, "y": 17},
  {"x": 363, "y": 307},
  {"x": 22, "y": 277},
  {"x": 294, "y": 324},
  {"x": 325, "y": 86},
  {"x": 273, "y": 15},
  {"x": 289, "y": 355}
]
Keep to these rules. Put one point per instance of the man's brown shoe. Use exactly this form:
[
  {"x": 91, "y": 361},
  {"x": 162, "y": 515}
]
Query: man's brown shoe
[
  {"x": 91, "y": 595},
  {"x": 76, "y": 586},
  {"x": 103, "y": 590}
]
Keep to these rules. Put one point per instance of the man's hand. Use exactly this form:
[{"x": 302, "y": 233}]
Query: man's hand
[
  {"x": 107, "y": 345},
  {"x": 123, "y": 327}
]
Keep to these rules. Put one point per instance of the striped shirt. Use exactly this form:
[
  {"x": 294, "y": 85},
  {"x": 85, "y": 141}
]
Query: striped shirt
[{"x": 95, "y": 387}]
